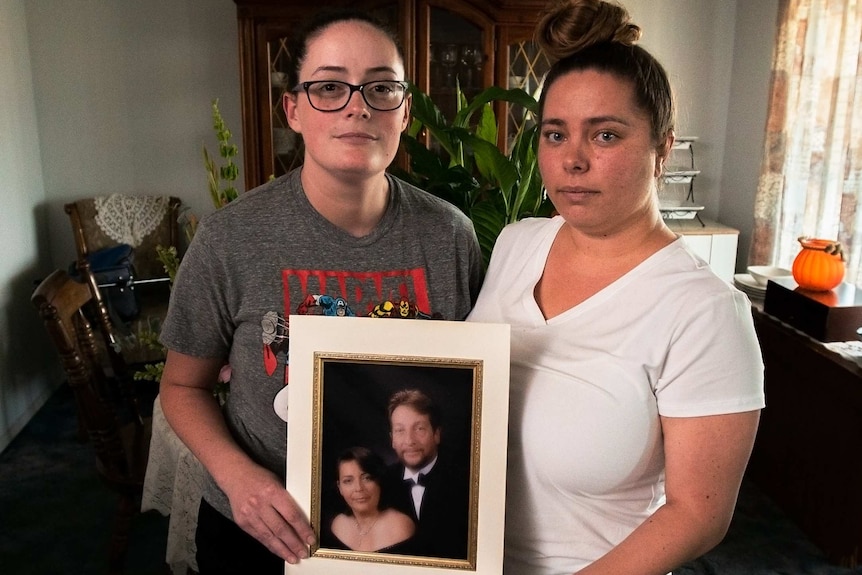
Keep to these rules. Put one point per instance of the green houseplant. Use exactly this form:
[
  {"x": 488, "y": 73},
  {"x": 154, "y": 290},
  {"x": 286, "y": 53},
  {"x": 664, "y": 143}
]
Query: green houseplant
[
  {"x": 464, "y": 166},
  {"x": 220, "y": 181},
  {"x": 221, "y": 176}
]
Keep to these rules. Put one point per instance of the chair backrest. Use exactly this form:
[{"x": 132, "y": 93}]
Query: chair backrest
[
  {"x": 144, "y": 222},
  {"x": 104, "y": 404}
]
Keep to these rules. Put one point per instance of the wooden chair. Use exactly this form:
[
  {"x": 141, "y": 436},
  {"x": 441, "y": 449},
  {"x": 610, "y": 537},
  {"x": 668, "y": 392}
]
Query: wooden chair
[
  {"x": 151, "y": 282},
  {"x": 107, "y": 409}
]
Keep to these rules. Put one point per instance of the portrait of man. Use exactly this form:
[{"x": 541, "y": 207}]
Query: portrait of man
[{"x": 423, "y": 483}]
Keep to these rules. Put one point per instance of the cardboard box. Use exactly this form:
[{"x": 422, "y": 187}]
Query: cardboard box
[{"x": 834, "y": 315}]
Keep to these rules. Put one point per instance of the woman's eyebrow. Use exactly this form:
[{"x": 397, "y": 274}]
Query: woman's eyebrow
[
  {"x": 343, "y": 70},
  {"x": 381, "y": 69},
  {"x": 589, "y": 121},
  {"x": 608, "y": 118},
  {"x": 553, "y": 122},
  {"x": 340, "y": 69}
]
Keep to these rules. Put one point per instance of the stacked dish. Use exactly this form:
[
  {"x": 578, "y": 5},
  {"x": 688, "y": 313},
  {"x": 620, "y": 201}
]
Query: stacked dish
[
  {"x": 748, "y": 285},
  {"x": 754, "y": 282},
  {"x": 762, "y": 274}
]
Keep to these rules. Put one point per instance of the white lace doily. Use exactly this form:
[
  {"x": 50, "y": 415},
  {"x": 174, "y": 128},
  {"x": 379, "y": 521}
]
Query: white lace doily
[{"x": 129, "y": 219}]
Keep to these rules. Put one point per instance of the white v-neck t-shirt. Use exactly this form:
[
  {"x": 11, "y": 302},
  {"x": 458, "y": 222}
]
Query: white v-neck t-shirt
[{"x": 585, "y": 460}]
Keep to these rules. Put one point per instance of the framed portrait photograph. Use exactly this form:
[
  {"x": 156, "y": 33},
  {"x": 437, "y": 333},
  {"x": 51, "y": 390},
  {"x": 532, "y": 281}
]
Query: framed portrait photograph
[{"x": 396, "y": 443}]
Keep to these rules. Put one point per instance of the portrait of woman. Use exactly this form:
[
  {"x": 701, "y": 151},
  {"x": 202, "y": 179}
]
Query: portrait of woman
[{"x": 366, "y": 523}]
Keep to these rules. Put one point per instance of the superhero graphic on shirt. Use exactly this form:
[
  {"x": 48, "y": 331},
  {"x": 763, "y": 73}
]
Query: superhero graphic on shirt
[{"x": 387, "y": 294}]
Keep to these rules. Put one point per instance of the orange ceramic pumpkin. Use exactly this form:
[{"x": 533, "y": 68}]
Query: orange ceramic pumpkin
[{"x": 820, "y": 264}]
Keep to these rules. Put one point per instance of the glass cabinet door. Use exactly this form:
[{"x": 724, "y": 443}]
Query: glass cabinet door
[
  {"x": 457, "y": 56},
  {"x": 286, "y": 145},
  {"x": 527, "y": 66}
]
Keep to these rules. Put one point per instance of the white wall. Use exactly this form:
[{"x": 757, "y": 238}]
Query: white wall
[
  {"x": 756, "y": 24},
  {"x": 693, "y": 39},
  {"x": 123, "y": 93},
  {"x": 103, "y": 96},
  {"x": 96, "y": 97},
  {"x": 25, "y": 380},
  {"x": 718, "y": 56}
]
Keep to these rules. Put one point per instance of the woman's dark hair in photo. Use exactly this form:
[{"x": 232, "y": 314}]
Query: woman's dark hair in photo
[{"x": 369, "y": 462}]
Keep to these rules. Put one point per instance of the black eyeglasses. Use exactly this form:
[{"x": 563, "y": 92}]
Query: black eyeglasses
[{"x": 332, "y": 95}]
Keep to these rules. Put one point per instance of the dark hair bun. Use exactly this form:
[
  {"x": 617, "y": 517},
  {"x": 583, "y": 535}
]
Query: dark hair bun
[{"x": 568, "y": 26}]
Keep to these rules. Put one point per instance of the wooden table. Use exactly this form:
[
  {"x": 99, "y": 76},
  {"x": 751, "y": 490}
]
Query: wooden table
[{"x": 808, "y": 453}]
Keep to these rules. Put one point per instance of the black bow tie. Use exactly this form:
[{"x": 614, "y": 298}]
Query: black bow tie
[{"x": 419, "y": 480}]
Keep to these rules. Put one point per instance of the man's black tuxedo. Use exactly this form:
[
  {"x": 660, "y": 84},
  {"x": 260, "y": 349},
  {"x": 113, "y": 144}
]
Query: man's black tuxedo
[{"x": 442, "y": 526}]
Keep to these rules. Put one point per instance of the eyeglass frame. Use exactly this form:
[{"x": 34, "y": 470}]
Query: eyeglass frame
[{"x": 303, "y": 86}]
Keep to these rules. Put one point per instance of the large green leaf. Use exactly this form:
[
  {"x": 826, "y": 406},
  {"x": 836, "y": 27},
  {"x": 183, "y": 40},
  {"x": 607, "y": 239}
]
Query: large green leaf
[
  {"x": 529, "y": 198},
  {"x": 502, "y": 172},
  {"x": 488, "y": 221},
  {"x": 422, "y": 160},
  {"x": 455, "y": 185},
  {"x": 487, "y": 126},
  {"x": 495, "y": 93},
  {"x": 491, "y": 188},
  {"x": 422, "y": 108},
  {"x": 430, "y": 118}
]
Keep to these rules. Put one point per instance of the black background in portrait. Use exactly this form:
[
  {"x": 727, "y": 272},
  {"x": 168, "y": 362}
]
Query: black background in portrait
[{"x": 355, "y": 396}]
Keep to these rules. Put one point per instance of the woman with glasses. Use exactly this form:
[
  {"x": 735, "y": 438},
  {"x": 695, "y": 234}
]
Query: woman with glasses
[{"x": 338, "y": 237}]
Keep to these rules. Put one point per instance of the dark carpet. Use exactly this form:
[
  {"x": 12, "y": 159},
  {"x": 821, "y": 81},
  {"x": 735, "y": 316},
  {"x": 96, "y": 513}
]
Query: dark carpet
[{"x": 55, "y": 516}]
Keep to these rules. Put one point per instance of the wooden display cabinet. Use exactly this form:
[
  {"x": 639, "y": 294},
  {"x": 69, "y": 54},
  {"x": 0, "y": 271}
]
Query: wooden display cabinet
[{"x": 478, "y": 42}]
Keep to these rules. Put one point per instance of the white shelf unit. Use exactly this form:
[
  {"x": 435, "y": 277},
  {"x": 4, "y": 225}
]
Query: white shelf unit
[{"x": 680, "y": 206}]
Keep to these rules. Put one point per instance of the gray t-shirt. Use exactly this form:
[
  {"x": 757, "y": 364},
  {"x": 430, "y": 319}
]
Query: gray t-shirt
[{"x": 269, "y": 254}]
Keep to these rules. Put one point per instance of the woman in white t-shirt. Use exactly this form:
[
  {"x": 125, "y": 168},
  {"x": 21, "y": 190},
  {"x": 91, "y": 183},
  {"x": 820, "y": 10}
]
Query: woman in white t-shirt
[{"x": 637, "y": 380}]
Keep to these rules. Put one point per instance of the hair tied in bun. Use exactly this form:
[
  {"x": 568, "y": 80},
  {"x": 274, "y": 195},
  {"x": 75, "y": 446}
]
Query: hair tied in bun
[{"x": 569, "y": 26}]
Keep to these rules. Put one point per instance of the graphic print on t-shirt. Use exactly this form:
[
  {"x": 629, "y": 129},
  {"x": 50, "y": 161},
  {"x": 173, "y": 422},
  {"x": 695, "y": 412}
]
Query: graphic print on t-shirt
[{"x": 393, "y": 294}]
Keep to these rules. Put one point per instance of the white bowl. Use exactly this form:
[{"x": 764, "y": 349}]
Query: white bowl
[{"x": 763, "y": 274}]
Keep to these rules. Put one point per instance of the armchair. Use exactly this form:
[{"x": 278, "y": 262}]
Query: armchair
[{"x": 144, "y": 222}]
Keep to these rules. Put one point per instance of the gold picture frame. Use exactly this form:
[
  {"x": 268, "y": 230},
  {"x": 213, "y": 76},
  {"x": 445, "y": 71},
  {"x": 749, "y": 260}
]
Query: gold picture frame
[{"x": 343, "y": 371}]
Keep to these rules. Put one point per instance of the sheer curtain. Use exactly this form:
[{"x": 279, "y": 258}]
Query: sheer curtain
[{"x": 812, "y": 163}]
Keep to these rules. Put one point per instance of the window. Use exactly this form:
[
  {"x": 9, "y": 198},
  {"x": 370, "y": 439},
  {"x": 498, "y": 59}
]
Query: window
[{"x": 812, "y": 164}]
